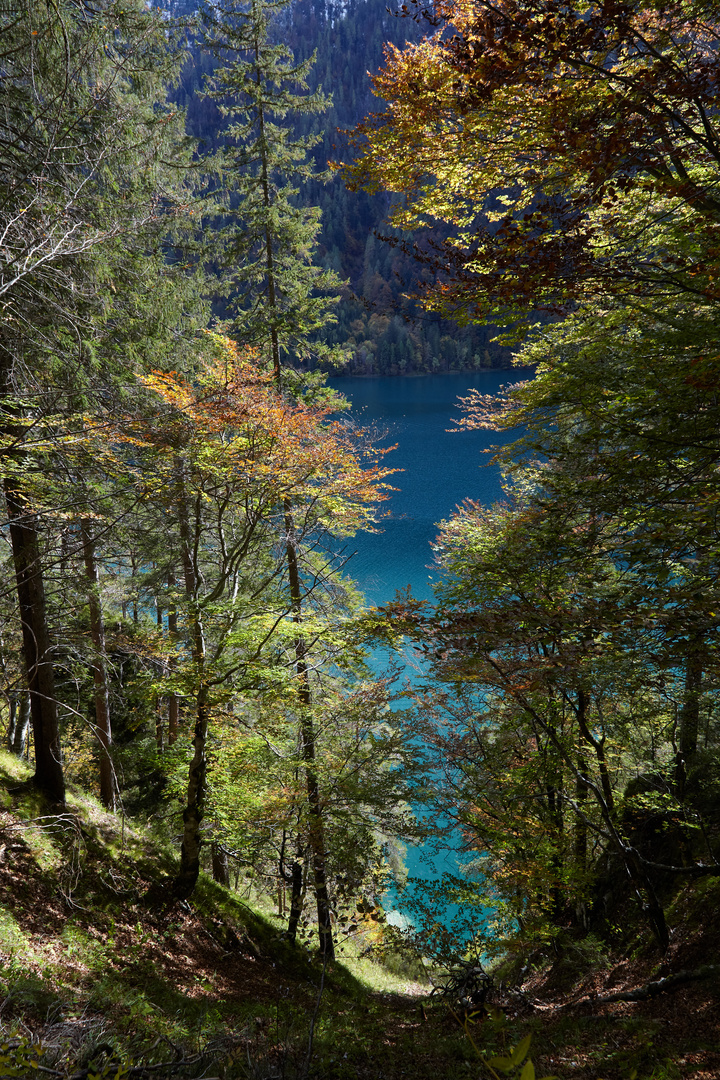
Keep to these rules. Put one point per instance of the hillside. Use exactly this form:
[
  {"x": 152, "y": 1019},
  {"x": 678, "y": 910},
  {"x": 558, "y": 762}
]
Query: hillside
[
  {"x": 380, "y": 330},
  {"x": 101, "y": 978},
  {"x": 180, "y": 640}
]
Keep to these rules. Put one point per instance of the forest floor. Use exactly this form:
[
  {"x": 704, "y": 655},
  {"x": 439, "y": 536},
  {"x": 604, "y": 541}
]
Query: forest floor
[{"x": 95, "y": 981}]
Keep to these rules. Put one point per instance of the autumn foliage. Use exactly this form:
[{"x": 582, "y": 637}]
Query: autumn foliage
[{"x": 572, "y": 148}]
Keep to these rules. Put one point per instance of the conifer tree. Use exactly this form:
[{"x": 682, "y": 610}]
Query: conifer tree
[
  {"x": 277, "y": 298},
  {"x": 275, "y": 292},
  {"x": 84, "y": 199}
]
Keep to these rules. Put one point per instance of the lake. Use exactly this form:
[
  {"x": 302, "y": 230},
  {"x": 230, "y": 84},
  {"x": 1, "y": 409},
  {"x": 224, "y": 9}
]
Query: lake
[{"x": 441, "y": 468}]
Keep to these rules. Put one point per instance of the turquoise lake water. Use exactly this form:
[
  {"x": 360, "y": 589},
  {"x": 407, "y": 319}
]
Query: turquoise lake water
[{"x": 441, "y": 468}]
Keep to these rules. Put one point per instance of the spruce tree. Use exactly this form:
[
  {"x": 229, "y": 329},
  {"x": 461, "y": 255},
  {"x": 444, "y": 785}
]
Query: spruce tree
[
  {"x": 279, "y": 300},
  {"x": 85, "y": 211}
]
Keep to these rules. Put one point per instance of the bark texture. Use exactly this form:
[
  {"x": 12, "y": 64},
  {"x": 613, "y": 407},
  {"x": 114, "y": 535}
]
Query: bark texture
[
  {"x": 103, "y": 727},
  {"x": 37, "y": 646},
  {"x": 307, "y": 742},
  {"x": 194, "y": 811}
]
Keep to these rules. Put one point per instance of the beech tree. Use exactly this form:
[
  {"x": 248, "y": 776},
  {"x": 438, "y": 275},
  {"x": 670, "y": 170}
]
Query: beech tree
[
  {"x": 220, "y": 457},
  {"x": 574, "y": 153},
  {"x": 575, "y": 637},
  {"x": 579, "y": 622},
  {"x": 574, "y": 150}
]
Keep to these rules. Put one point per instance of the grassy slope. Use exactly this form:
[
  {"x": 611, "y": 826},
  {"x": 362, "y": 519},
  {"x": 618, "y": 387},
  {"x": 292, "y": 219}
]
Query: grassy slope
[{"x": 96, "y": 975}]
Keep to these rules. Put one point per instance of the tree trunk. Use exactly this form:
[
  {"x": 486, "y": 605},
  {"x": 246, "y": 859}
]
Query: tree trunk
[
  {"x": 173, "y": 700},
  {"x": 581, "y": 787},
  {"x": 598, "y": 746},
  {"x": 173, "y": 716},
  {"x": 220, "y": 864},
  {"x": 690, "y": 712},
  {"x": 133, "y": 576},
  {"x": 554, "y": 797},
  {"x": 159, "y": 734},
  {"x": 197, "y": 776},
  {"x": 159, "y": 699},
  {"x": 12, "y": 715},
  {"x": 296, "y": 880},
  {"x": 581, "y": 832},
  {"x": 103, "y": 727},
  {"x": 297, "y": 897},
  {"x": 194, "y": 811},
  {"x": 22, "y": 725},
  {"x": 307, "y": 740},
  {"x": 19, "y": 722},
  {"x": 37, "y": 648},
  {"x": 581, "y": 836},
  {"x": 651, "y": 905}
]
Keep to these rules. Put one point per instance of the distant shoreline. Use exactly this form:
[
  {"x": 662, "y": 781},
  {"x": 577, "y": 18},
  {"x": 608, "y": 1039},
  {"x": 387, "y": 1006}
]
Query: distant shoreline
[{"x": 415, "y": 374}]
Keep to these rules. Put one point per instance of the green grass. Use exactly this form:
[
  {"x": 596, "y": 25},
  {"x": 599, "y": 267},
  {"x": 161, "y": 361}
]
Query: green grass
[{"x": 82, "y": 947}]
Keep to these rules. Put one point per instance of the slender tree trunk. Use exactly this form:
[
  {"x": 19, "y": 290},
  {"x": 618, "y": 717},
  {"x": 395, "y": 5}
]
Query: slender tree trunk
[
  {"x": 22, "y": 729},
  {"x": 581, "y": 790},
  {"x": 12, "y": 718},
  {"x": 37, "y": 648},
  {"x": 19, "y": 722},
  {"x": 554, "y": 796},
  {"x": 296, "y": 880},
  {"x": 690, "y": 712},
  {"x": 296, "y": 900},
  {"x": 159, "y": 733},
  {"x": 581, "y": 835},
  {"x": 173, "y": 700},
  {"x": 159, "y": 699},
  {"x": 108, "y": 784},
  {"x": 598, "y": 746},
  {"x": 133, "y": 576},
  {"x": 297, "y": 896},
  {"x": 307, "y": 745},
  {"x": 220, "y": 864},
  {"x": 652, "y": 906},
  {"x": 173, "y": 717},
  {"x": 194, "y": 811}
]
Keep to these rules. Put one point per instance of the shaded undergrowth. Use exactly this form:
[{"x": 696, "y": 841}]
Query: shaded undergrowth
[{"x": 98, "y": 981}]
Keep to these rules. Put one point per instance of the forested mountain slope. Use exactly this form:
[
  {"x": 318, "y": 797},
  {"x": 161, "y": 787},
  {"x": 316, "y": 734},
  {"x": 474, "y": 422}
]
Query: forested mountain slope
[{"x": 379, "y": 330}]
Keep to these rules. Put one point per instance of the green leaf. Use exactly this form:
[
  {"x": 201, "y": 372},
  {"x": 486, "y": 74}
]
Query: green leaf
[
  {"x": 520, "y": 1052},
  {"x": 504, "y": 1064},
  {"x": 528, "y": 1071}
]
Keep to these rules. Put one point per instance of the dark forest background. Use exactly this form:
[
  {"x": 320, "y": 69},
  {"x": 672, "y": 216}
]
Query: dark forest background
[{"x": 379, "y": 328}]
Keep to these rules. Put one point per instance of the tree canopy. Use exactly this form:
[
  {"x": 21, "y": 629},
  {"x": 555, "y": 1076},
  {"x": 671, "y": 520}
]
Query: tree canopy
[
  {"x": 573, "y": 148},
  {"x": 573, "y": 152}
]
